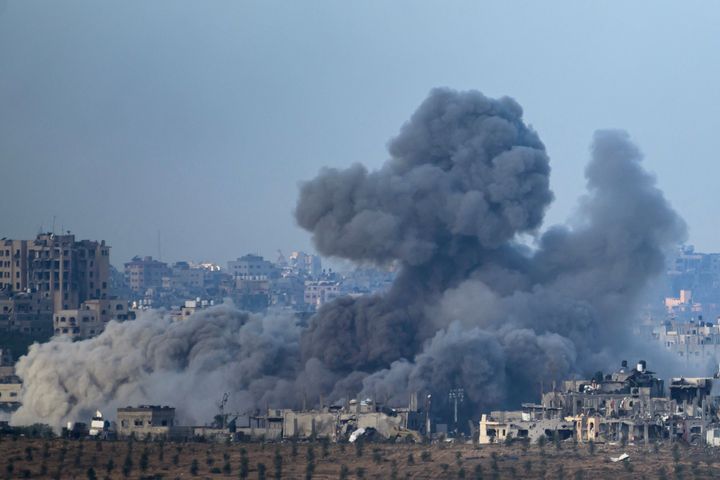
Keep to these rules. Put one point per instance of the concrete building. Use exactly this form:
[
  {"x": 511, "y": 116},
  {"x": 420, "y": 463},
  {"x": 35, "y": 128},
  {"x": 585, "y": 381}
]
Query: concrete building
[
  {"x": 318, "y": 293},
  {"x": 144, "y": 273},
  {"x": 10, "y": 387},
  {"x": 305, "y": 264},
  {"x": 90, "y": 319},
  {"x": 629, "y": 404},
  {"x": 61, "y": 269},
  {"x": 26, "y": 312},
  {"x": 145, "y": 421},
  {"x": 251, "y": 267},
  {"x": 697, "y": 343},
  {"x": 184, "y": 277}
]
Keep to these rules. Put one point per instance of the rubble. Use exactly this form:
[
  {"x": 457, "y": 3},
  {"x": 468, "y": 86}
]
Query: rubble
[
  {"x": 334, "y": 423},
  {"x": 628, "y": 405}
]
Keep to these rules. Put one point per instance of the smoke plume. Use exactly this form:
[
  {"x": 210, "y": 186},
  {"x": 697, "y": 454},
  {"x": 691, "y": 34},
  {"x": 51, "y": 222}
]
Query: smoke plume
[
  {"x": 155, "y": 359},
  {"x": 471, "y": 306}
]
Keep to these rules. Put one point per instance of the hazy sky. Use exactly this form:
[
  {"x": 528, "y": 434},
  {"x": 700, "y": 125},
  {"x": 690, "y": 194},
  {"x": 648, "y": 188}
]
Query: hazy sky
[{"x": 198, "y": 119}]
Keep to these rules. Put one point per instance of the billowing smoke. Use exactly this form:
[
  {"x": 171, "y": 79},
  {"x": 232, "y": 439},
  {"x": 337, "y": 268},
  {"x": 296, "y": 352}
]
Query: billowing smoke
[
  {"x": 155, "y": 359},
  {"x": 472, "y": 307},
  {"x": 465, "y": 177}
]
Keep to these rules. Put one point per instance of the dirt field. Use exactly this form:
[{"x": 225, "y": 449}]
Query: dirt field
[{"x": 67, "y": 459}]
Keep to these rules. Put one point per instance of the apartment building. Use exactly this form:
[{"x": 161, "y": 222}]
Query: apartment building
[
  {"x": 146, "y": 272},
  {"x": 58, "y": 267}
]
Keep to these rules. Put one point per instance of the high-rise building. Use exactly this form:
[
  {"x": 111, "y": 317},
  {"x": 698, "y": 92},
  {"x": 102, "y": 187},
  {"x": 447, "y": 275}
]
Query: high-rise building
[{"x": 57, "y": 267}]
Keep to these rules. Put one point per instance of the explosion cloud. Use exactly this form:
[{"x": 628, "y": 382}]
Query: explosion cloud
[{"x": 471, "y": 306}]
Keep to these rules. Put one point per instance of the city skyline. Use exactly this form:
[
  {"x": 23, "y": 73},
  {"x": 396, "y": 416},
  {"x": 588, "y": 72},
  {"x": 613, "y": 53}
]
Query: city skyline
[{"x": 198, "y": 123}]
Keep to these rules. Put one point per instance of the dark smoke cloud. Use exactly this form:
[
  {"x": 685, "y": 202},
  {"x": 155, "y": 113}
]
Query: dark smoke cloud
[
  {"x": 464, "y": 166},
  {"x": 471, "y": 307},
  {"x": 465, "y": 177}
]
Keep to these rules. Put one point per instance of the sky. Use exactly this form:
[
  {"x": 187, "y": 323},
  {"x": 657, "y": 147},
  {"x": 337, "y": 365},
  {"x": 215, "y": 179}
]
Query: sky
[{"x": 183, "y": 129}]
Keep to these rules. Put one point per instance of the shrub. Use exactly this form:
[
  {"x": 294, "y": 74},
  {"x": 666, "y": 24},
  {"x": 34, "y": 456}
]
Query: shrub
[{"x": 425, "y": 456}]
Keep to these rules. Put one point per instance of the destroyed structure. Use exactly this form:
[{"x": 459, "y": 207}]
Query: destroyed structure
[
  {"x": 628, "y": 405},
  {"x": 334, "y": 423}
]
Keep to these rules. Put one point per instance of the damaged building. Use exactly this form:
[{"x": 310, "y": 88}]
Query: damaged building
[
  {"x": 630, "y": 404},
  {"x": 334, "y": 423}
]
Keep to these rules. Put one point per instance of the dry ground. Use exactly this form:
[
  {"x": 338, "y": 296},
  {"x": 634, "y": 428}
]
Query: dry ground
[{"x": 67, "y": 459}]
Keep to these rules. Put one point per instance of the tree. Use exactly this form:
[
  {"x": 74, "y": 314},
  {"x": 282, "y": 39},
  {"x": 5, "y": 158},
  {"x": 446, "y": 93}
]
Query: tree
[
  {"x": 344, "y": 472},
  {"x": 377, "y": 455},
  {"x": 360, "y": 472},
  {"x": 194, "y": 467},
  {"x": 359, "y": 447},
  {"x": 91, "y": 474},
  {"x": 127, "y": 466},
  {"x": 261, "y": 471},
  {"x": 109, "y": 466},
  {"x": 310, "y": 467},
  {"x": 478, "y": 472},
  {"x": 676, "y": 452},
  {"x": 277, "y": 463},
  {"x": 244, "y": 464},
  {"x": 144, "y": 461}
]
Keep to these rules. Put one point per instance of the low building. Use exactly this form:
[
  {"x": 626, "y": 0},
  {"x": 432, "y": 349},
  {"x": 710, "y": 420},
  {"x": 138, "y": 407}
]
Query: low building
[
  {"x": 10, "y": 388},
  {"x": 320, "y": 292},
  {"x": 30, "y": 313},
  {"x": 145, "y": 421},
  {"x": 629, "y": 404},
  {"x": 90, "y": 319},
  {"x": 530, "y": 423}
]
